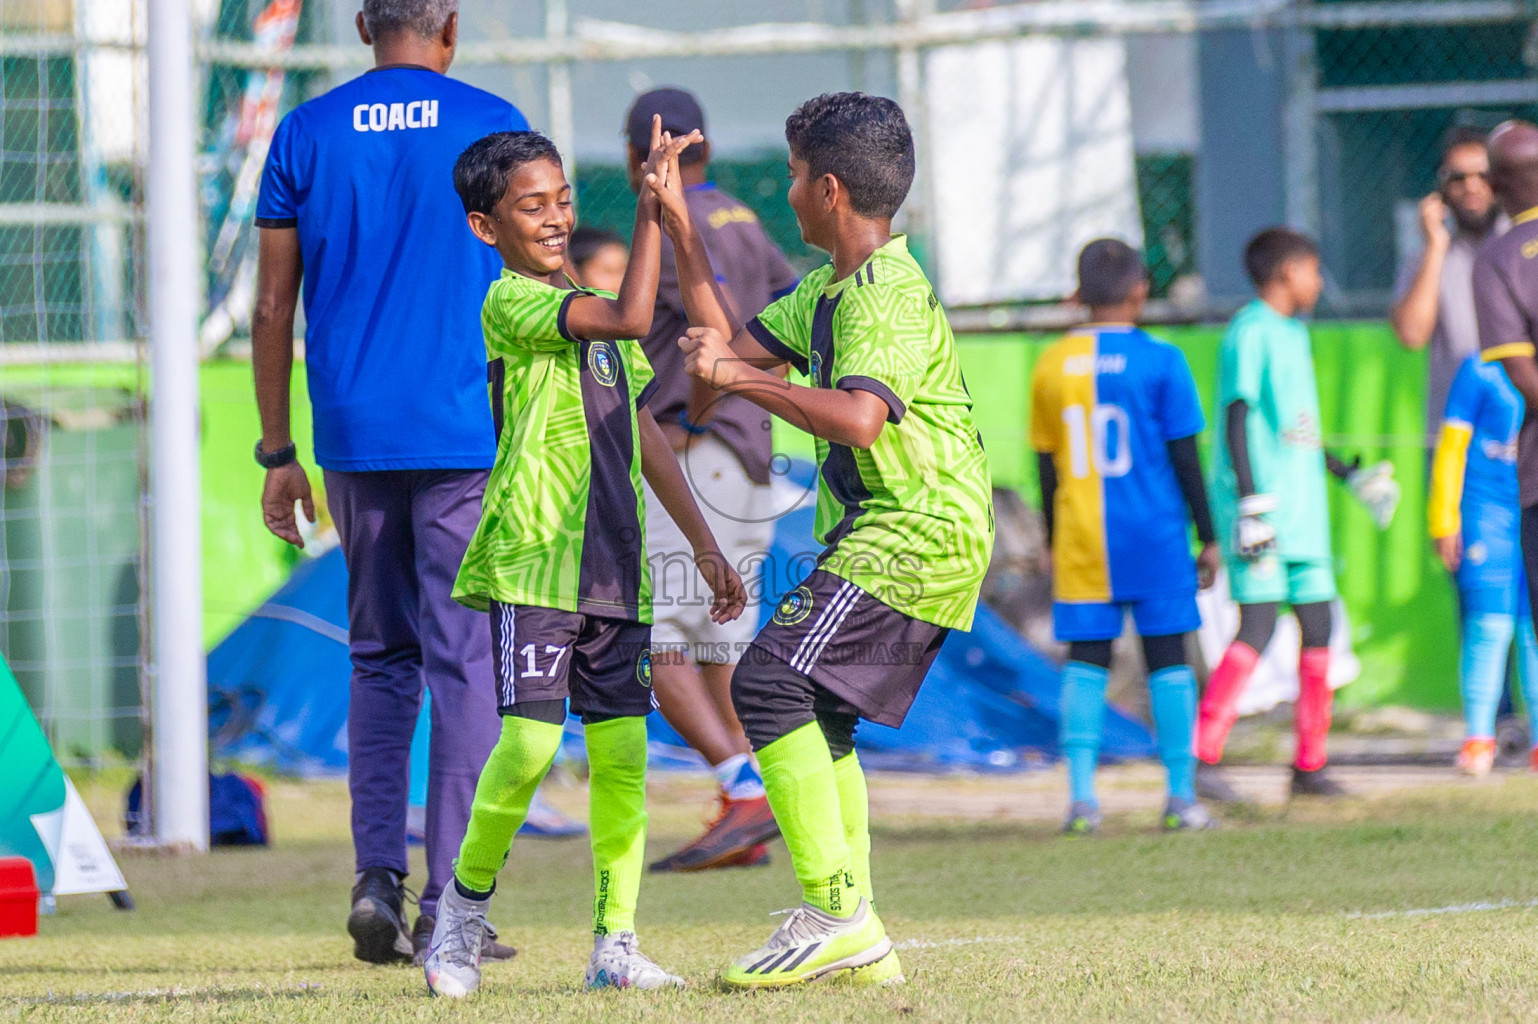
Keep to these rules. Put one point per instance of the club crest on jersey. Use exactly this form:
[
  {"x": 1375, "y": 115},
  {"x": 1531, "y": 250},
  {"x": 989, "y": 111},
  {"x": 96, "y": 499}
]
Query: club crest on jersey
[
  {"x": 604, "y": 364},
  {"x": 643, "y": 669},
  {"x": 794, "y": 607},
  {"x": 815, "y": 365}
]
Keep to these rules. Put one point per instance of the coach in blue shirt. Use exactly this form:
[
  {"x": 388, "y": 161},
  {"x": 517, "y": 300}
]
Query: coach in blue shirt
[{"x": 357, "y": 203}]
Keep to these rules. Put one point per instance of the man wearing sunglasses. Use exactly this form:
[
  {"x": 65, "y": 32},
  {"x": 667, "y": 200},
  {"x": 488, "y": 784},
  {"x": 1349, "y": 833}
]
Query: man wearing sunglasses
[{"x": 1434, "y": 300}]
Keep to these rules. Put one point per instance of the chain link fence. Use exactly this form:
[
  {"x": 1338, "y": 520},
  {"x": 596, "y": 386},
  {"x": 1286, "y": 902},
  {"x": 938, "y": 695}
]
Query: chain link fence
[
  {"x": 72, "y": 404},
  {"x": 1387, "y": 98}
]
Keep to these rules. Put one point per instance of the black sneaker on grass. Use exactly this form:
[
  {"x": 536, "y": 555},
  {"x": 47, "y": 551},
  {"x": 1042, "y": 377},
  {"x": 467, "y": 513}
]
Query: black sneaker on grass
[
  {"x": 377, "y": 923},
  {"x": 1211, "y": 785},
  {"x": 1318, "y": 782},
  {"x": 492, "y": 951}
]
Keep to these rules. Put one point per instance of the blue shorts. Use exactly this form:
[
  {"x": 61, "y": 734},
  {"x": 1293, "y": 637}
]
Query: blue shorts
[
  {"x": 1510, "y": 599},
  {"x": 1492, "y": 558},
  {"x": 1153, "y": 616}
]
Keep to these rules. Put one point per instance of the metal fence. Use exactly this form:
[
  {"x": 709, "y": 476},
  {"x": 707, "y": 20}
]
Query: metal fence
[
  {"x": 72, "y": 511},
  {"x": 1185, "y": 123}
]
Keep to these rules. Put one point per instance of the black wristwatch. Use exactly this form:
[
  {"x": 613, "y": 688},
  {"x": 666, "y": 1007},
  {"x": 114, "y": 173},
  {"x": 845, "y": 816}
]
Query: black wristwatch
[{"x": 274, "y": 460}]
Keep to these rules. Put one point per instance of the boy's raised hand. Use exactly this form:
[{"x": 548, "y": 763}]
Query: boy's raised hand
[
  {"x": 728, "y": 593},
  {"x": 663, "y": 178}
]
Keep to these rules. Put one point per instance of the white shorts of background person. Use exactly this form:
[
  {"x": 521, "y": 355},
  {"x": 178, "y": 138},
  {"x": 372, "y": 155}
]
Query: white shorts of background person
[{"x": 740, "y": 513}]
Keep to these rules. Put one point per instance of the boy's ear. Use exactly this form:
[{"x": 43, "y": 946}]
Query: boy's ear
[
  {"x": 832, "y": 192},
  {"x": 1073, "y": 297},
  {"x": 483, "y": 227},
  {"x": 1140, "y": 290},
  {"x": 363, "y": 30}
]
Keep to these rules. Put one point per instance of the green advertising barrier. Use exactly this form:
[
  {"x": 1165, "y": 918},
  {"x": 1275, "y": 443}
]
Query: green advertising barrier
[{"x": 1372, "y": 398}]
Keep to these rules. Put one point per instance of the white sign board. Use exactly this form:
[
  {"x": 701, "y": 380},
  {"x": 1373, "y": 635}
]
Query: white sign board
[
  {"x": 81, "y": 861},
  {"x": 1029, "y": 149}
]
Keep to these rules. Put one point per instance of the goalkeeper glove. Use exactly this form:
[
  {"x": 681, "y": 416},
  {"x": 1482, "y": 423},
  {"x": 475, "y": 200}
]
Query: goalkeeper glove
[
  {"x": 1255, "y": 536},
  {"x": 1376, "y": 488}
]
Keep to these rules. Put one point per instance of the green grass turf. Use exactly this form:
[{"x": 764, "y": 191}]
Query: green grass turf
[{"x": 1261, "y": 920}]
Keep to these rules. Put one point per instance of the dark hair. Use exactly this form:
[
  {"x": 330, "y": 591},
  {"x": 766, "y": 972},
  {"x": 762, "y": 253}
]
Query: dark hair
[
  {"x": 1109, "y": 269},
  {"x": 585, "y": 243},
  {"x": 482, "y": 171},
  {"x": 1460, "y": 135},
  {"x": 1267, "y": 252},
  {"x": 861, "y": 140}
]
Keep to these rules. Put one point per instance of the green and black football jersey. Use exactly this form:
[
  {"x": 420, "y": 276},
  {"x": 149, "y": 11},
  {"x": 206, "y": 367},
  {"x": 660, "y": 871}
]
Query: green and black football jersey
[
  {"x": 562, "y": 523},
  {"x": 909, "y": 520}
]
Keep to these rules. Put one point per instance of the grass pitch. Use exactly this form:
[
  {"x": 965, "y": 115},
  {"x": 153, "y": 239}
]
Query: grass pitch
[{"x": 1300, "y": 914}]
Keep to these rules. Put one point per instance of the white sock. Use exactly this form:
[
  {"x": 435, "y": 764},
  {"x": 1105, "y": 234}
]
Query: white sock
[{"x": 738, "y": 778}]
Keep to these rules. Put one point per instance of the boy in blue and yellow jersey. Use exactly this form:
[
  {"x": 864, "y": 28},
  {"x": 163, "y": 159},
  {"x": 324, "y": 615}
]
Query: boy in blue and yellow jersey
[
  {"x": 1114, "y": 419},
  {"x": 1473, "y": 515}
]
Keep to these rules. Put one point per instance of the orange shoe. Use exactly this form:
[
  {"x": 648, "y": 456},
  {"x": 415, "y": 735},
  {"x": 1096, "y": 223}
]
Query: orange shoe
[
  {"x": 740, "y": 826},
  {"x": 1532, "y": 763},
  {"x": 1477, "y": 757},
  {"x": 753, "y": 857}
]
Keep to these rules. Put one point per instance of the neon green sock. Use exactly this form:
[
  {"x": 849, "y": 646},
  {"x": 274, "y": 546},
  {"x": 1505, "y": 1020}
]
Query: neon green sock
[
  {"x": 799, "y": 778},
  {"x": 616, "y": 757},
  {"x": 513, "y": 772},
  {"x": 854, "y": 806}
]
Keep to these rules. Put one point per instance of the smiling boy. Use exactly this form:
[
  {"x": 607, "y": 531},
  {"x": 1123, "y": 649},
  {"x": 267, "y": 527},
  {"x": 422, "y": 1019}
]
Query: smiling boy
[
  {"x": 558, "y": 559},
  {"x": 903, "y": 505}
]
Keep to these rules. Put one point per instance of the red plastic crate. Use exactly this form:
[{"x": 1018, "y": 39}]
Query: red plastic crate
[{"x": 18, "y": 897}]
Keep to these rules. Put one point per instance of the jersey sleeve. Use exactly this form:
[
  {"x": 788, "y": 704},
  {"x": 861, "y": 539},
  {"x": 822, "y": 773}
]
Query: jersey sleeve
[
  {"x": 643, "y": 379},
  {"x": 1180, "y": 408},
  {"x": 1242, "y": 369},
  {"x": 277, "y": 202},
  {"x": 527, "y": 318},
  {"x": 516, "y": 122},
  {"x": 1046, "y": 404},
  {"x": 881, "y": 345},
  {"x": 784, "y": 328},
  {"x": 1443, "y": 504},
  {"x": 1503, "y": 329}
]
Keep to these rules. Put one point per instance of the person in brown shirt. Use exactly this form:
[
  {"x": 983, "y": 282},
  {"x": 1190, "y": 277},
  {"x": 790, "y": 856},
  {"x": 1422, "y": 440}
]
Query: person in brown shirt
[
  {"x": 1506, "y": 304},
  {"x": 724, "y": 444}
]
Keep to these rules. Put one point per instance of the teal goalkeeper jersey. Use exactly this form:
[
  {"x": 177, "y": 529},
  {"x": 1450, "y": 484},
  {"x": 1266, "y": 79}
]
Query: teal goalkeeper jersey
[
  {"x": 1267, "y": 362},
  {"x": 563, "y": 519},
  {"x": 909, "y": 520}
]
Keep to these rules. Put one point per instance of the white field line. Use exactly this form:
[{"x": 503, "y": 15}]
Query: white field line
[
  {"x": 174, "y": 992},
  {"x": 979, "y": 940},
  {"x": 1457, "y": 908}
]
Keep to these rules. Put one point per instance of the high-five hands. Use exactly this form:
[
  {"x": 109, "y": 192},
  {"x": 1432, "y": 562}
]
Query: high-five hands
[{"x": 661, "y": 177}]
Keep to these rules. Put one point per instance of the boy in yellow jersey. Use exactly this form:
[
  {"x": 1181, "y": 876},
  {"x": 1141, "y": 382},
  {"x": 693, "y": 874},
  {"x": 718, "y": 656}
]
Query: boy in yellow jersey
[{"x": 1114, "y": 420}]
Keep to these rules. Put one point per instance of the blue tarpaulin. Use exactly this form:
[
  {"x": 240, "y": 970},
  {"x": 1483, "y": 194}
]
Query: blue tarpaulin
[{"x": 278, "y": 687}]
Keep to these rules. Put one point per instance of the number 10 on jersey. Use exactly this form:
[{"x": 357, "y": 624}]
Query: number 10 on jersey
[{"x": 1101, "y": 434}]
